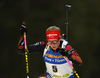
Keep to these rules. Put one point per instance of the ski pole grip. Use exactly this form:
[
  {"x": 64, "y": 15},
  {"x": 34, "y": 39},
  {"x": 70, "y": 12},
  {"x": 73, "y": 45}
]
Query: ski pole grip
[{"x": 25, "y": 40}]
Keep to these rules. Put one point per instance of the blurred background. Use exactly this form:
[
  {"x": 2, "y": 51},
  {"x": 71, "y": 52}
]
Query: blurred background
[{"x": 83, "y": 33}]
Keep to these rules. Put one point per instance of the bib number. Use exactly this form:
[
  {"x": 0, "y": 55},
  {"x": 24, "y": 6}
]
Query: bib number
[{"x": 54, "y": 68}]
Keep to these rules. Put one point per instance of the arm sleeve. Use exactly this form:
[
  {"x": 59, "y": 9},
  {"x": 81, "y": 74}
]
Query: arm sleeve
[
  {"x": 37, "y": 47},
  {"x": 74, "y": 56}
]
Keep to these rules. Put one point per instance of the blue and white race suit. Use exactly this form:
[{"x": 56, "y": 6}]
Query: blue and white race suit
[{"x": 56, "y": 64}]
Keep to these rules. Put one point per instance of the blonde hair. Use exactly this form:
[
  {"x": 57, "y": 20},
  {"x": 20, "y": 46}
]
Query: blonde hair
[{"x": 53, "y": 28}]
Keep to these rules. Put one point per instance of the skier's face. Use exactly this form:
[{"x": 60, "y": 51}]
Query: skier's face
[{"x": 54, "y": 43}]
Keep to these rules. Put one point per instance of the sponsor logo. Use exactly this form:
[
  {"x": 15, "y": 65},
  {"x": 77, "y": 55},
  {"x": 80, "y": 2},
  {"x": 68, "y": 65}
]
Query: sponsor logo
[
  {"x": 54, "y": 59},
  {"x": 52, "y": 35},
  {"x": 59, "y": 76},
  {"x": 53, "y": 56}
]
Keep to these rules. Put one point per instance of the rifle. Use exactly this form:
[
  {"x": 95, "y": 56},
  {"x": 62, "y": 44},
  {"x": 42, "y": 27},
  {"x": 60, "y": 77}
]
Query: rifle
[{"x": 65, "y": 36}]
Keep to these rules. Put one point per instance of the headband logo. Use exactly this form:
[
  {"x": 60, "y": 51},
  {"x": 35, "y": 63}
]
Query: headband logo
[{"x": 52, "y": 35}]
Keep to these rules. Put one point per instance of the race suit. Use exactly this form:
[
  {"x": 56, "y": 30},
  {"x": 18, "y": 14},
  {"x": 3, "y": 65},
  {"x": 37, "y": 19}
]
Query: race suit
[{"x": 56, "y": 64}]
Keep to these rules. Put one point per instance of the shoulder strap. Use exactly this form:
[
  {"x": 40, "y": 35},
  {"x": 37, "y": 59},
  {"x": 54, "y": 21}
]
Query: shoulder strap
[
  {"x": 64, "y": 43},
  {"x": 45, "y": 49}
]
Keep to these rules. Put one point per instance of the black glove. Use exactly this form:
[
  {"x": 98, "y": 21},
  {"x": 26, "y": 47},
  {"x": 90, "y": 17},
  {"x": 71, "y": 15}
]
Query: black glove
[
  {"x": 64, "y": 52},
  {"x": 23, "y": 29}
]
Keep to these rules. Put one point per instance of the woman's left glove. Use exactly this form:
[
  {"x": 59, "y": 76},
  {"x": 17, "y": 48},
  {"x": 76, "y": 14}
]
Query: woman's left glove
[
  {"x": 23, "y": 29},
  {"x": 64, "y": 52}
]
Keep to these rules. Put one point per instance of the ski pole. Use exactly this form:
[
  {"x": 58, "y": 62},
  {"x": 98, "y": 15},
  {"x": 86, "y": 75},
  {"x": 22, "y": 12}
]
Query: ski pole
[
  {"x": 26, "y": 54},
  {"x": 72, "y": 67}
]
